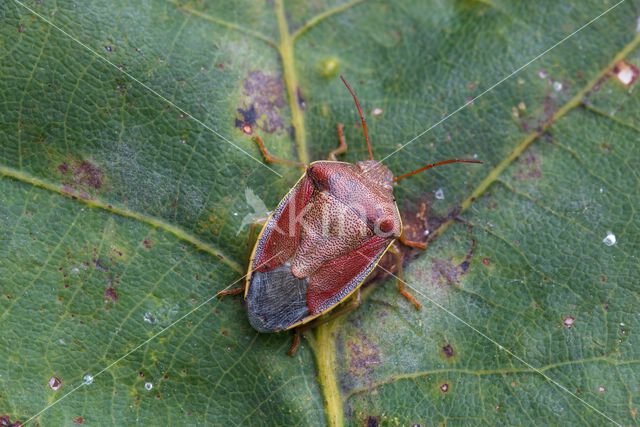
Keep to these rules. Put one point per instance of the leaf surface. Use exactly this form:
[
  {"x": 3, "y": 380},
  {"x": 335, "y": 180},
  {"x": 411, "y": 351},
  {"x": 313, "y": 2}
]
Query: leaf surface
[{"x": 126, "y": 160}]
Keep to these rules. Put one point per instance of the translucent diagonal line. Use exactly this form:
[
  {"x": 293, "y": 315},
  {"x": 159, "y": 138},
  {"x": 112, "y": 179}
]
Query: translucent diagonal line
[
  {"x": 147, "y": 87},
  {"x": 499, "y": 82},
  {"x": 501, "y": 347},
  {"x": 154, "y": 336}
]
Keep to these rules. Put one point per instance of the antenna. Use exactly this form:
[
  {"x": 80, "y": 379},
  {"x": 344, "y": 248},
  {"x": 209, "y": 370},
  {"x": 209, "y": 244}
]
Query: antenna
[
  {"x": 433, "y": 165},
  {"x": 364, "y": 123}
]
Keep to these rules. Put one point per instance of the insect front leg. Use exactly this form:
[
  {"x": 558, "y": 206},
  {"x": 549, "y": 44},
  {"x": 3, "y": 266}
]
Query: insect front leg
[
  {"x": 400, "y": 277},
  {"x": 269, "y": 158},
  {"x": 342, "y": 148},
  {"x": 411, "y": 243}
]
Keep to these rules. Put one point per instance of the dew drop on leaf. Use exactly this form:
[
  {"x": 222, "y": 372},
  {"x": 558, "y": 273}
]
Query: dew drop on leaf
[
  {"x": 610, "y": 239},
  {"x": 149, "y": 318}
]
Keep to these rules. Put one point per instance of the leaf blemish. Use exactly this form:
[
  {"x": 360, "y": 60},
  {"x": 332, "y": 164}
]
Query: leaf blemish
[
  {"x": 528, "y": 168},
  {"x": 55, "y": 383},
  {"x": 263, "y": 104},
  {"x": 444, "y": 387},
  {"x": 568, "y": 321},
  {"x": 626, "y": 73},
  {"x": 78, "y": 420},
  {"x": 364, "y": 356},
  {"x": 6, "y": 421},
  {"x": 110, "y": 294},
  {"x": 448, "y": 351},
  {"x": 373, "y": 421}
]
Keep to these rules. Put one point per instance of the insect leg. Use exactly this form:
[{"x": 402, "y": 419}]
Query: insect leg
[
  {"x": 400, "y": 277},
  {"x": 342, "y": 148},
  {"x": 272, "y": 159},
  {"x": 229, "y": 292},
  {"x": 410, "y": 243},
  {"x": 295, "y": 341}
]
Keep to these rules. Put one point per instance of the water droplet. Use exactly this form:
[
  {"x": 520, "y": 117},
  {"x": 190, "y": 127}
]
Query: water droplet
[
  {"x": 149, "y": 318},
  {"x": 610, "y": 239},
  {"x": 439, "y": 194},
  {"x": 543, "y": 74},
  {"x": 377, "y": 111},
  {"x": 183, "y": 141},
  {"x": 148, "y": 386},
  {"x": 557, "y": 86},
  {"x": 601, "y": 389},
  {"x": 601, "y": 190},
  {"x": 75, "y": 270},
  {"x": 87, "y": 379},
  {"x": 55, "y": 383}
]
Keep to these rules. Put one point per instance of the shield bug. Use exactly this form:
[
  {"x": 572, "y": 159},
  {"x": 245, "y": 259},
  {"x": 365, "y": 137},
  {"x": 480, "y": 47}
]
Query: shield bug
[{"x": 325, "y": 237}]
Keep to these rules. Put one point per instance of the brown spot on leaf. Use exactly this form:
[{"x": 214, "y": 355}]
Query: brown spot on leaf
[
  {"x": 79, "y": 177},
  {"x": 447, "y": 350},
  {"x": 78, "y": 420},
  {"x": 262, "y": 107},
  {"x": 363, "y": 356},
  {"x": 89, "y": 174},
  {"x": 486, "y": 261},
  {"x": 373, "y": 421},
  {"x": 444, "y": 387},
  {"x": 247, "y": 119},
  {"x": 111, "y": 294},
  {"x": 528, "y": 167},
  {"x": 148, "y": 243}
]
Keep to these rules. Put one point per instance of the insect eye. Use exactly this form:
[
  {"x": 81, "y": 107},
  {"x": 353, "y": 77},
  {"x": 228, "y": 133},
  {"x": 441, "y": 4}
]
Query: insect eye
[{"x": 386, "y": 225}]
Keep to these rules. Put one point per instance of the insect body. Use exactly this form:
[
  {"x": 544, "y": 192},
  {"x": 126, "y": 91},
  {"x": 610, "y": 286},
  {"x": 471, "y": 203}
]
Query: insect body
[
  {"x": 322, "y": 241},
  {"x": 324, "y": 238}
]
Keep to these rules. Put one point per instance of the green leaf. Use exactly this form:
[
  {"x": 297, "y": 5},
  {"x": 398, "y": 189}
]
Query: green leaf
[{"x": 127, "y": 169}]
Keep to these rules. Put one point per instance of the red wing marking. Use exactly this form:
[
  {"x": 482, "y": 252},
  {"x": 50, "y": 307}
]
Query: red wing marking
[
  {"x": 336, "y": 278},
  {"x": 281, "y": 236}
]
